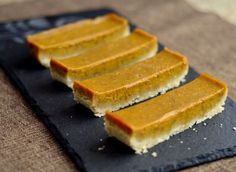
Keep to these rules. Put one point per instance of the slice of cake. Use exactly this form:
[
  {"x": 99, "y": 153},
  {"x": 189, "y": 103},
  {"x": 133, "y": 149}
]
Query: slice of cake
[
  {"x": 74, "y": 38},
  {"x": 145, "y": 79},
  {"x": 137, "y": 46},
  {"x": 146, "y": 124}
]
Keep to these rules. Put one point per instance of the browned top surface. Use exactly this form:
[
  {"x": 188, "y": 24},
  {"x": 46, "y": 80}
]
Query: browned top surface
[{"x": 206, "y": 39}]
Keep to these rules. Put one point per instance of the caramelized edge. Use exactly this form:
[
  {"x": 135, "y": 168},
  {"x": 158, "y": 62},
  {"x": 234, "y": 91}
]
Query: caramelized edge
[
  {"x": 116, "y": 17},
  {"x": 177, "y": 55},
  {"x": 145, "y": 34},
  {"x": 57, "y": 66},
  {"x": 215, "y": 80},
  {"x": 111, "y": 117},
  {"x": 78, "y": 86}
]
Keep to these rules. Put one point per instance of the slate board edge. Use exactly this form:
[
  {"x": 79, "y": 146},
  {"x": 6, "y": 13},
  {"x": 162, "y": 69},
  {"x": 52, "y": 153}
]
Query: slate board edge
[{"x": 189, "y": 162}]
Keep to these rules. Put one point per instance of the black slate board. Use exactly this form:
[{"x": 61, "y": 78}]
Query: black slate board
[{"x": 79, "y": 132}]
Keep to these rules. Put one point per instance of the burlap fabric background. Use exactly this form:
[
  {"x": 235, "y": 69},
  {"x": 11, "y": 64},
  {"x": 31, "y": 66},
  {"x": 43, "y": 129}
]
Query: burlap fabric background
[{"x": 207, "y": 40}]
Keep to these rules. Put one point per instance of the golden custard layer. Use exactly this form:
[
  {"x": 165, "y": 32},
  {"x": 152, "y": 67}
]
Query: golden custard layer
[
  {"x": 74, "y": 38},
  {"x": 138, "y": 82},
  {"x": 107, "y": 58},
  {"x": 143, "y": 125}
]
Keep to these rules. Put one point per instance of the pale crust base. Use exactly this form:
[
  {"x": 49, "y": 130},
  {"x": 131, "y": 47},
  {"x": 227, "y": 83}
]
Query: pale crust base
[
  {"x": 101, "y": 110},
  {"x": 141, "y": 146},
  {"x": 44, "y": 60},
  {"x": 59, "y": 77}
]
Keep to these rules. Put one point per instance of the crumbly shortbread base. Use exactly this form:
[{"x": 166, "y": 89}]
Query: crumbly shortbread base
[
  {"x": 44, "y": 60},
  {"x": 141, "y": 146},
  {"x": 102, "y": 109},
  {"x": 59, "y": 77}
]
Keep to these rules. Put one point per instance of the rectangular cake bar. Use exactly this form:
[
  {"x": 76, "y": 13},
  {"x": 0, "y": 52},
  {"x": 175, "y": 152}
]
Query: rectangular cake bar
[
  {"x": 146, "y": 124},
  {"x": 75, "y": 38},
  {"x": 145, "y": 79}
]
